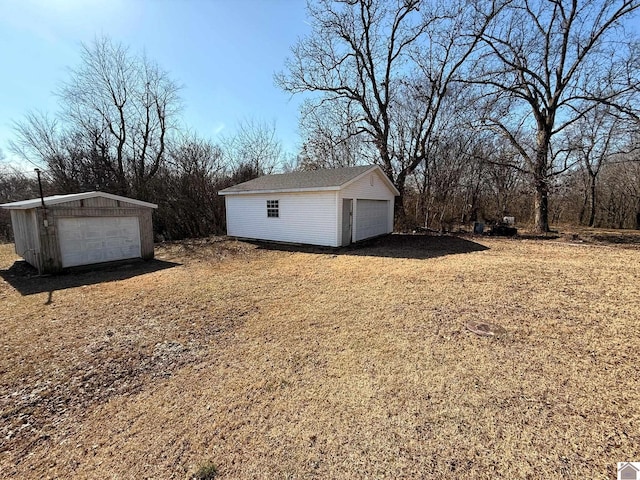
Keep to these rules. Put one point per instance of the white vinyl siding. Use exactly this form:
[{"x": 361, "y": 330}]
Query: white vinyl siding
[
  {"x": 366, "y": 189},
  {"x": 87, "y": 240},
  {"x": 302, "y": 217},
  {"x": 362, "y": 188},
  {"x": 314, "y": 217}
]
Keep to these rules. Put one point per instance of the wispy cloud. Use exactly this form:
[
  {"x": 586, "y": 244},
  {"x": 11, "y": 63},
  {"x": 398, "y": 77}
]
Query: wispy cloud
[{"x": 218, "y": 127}]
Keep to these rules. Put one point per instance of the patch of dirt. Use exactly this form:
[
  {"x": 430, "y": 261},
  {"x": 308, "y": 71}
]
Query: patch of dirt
[
  {"x": 44, "y": 403},
  {"x": 485, "y": 329},
  {"x": 107, "y": 369},
  {"x": 208, "y": 249},
  {"x": 593, "y": 236}
]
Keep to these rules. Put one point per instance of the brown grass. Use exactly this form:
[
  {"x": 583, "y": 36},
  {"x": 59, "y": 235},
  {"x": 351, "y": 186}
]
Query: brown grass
[{"x": 309, "y": 363}]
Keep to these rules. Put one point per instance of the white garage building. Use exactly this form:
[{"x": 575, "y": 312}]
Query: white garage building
[
  {"x": 329, "y": 207},
  {"x": 64, "y": 231}
]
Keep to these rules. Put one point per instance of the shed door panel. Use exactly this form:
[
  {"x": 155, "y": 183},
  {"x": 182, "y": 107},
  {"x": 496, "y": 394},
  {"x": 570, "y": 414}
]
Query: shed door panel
[
  {"x": 371, "y": 218},
  {"x": 86, "y": 240}
]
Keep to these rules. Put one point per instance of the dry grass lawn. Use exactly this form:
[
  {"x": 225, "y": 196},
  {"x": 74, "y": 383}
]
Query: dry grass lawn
[{"x": 280, "y": 363}]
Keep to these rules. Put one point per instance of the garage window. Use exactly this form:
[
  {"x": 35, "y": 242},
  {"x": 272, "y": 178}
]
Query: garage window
[{"x": 273, "y": 208}]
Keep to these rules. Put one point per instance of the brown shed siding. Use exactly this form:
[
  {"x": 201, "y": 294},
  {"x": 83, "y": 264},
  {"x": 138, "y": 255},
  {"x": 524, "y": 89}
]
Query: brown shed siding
[
  {"x": 146, "y": 234},
  {"x": 49, "y": 259},
  {"x": 38, "y": 231},
  {"x": 25, "y": 234},
  {"x": 39, "y": 245}
]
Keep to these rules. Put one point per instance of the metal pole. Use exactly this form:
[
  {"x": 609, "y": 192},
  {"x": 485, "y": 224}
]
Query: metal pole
[
  {"x": 44, "y": 208},
  {"x": 37, "y": 170}
]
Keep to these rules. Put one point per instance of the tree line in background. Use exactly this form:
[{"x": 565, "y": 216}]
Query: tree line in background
[
  {"x": 475, "y": 111},
  {"x": 428, "y": 89},
  {"x": 119, "y": 131}
]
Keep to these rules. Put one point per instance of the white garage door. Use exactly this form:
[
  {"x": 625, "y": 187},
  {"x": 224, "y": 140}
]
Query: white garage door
[
  {"x": 86, "y": 240},
  {"x": 372, "y": 218}
]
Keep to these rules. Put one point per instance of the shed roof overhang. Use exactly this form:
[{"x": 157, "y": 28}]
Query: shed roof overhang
[{"x": 58, "y": 199}]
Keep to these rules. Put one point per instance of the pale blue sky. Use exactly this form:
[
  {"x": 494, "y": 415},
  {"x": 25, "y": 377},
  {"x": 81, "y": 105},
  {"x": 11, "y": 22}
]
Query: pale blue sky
[{"x": 224, "y": 53}]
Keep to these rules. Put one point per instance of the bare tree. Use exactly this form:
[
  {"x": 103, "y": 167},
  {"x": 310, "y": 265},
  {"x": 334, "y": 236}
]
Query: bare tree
[
  {"x": 14, "y": 186},
  {"x": 380, "y": 57},
  {"x": 186, "y": 188},
  {"x": 255, "y": 145},
  {"x": 127, "y": 104},
  {"x": 598, "y": 137},
  {"x": 73, "y": 162},
  {"x": 619, "y": 205},
  {"x": 37, "y": 138},
  {"x": 118, "y": 110},
  {"x": 438, "y": 178},
  {"x": 544, "y": 65},
  {"x": 331, "y": 137}
]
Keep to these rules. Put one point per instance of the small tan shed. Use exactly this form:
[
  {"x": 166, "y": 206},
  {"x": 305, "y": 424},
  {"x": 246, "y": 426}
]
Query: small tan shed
[{"x": 81, "y": 229}]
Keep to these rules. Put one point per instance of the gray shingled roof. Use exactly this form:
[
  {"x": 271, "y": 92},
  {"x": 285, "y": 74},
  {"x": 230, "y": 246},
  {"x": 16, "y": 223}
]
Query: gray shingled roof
[{"x": 324, "y": 178}]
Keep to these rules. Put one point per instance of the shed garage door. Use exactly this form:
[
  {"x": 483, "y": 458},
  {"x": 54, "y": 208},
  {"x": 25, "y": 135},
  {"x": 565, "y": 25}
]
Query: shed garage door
[
  {"x": 372, "y": 218},
  {"x": 86, "y": 240}
]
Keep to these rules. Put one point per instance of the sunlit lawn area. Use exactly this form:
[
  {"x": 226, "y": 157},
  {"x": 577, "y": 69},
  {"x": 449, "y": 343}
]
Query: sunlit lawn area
[{"x": 274, "y": 362}]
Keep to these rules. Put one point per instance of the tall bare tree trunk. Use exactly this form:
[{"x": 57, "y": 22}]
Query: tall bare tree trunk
[
  {"x": 541, "y": 199},
  {"x": 541, "y": 205},
  {"x": 400, "y": 213},
  {"x": 583, "y": 209},
  {"x": 592, "y": 215}
]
